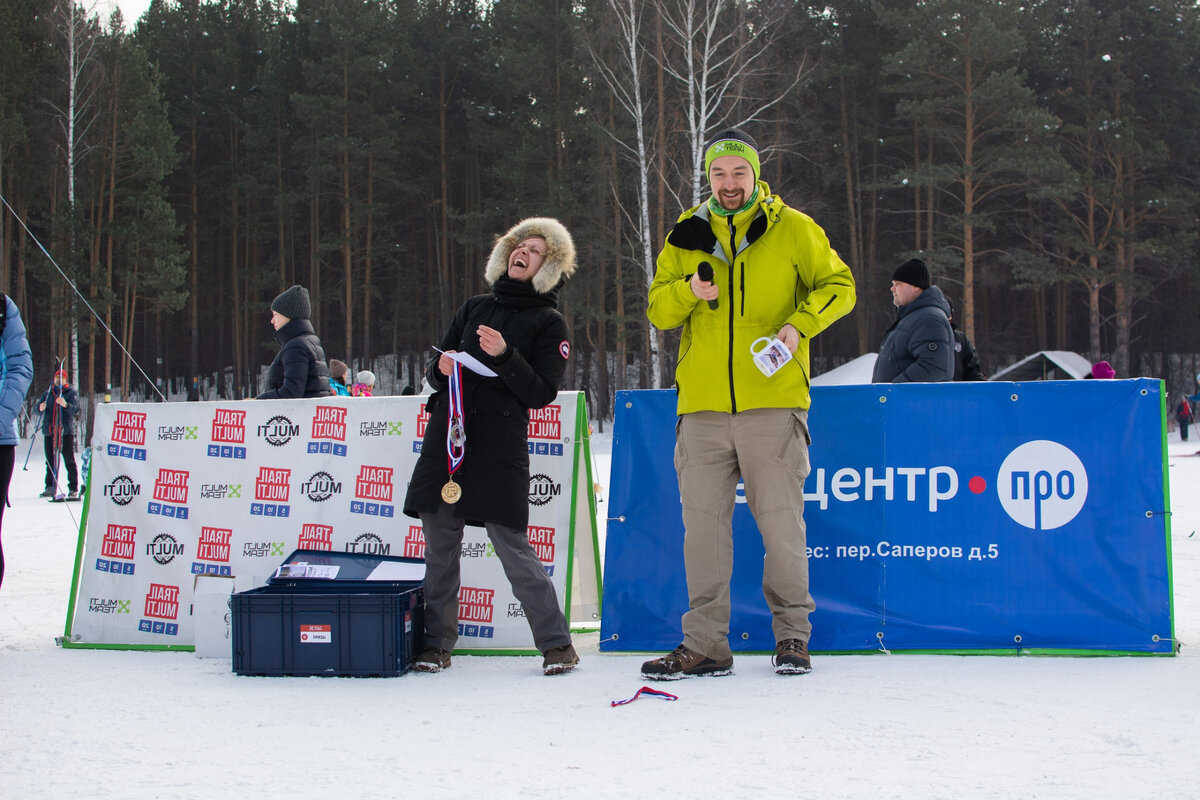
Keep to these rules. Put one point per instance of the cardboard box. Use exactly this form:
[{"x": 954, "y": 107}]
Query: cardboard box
[{"x": 211, "y": 617}]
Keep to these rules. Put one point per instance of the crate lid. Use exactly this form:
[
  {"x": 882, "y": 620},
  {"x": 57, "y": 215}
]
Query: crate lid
[{"x": 311, "y": 567}]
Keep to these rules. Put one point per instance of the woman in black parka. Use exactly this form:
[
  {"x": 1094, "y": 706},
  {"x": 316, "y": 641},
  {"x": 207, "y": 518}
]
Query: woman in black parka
[
  {"x": 517, "y": 332},
  {"x": 299, "y": 369}
]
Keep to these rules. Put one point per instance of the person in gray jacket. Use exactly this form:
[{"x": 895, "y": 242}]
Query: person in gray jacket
[{"x": 919, "y": 347}]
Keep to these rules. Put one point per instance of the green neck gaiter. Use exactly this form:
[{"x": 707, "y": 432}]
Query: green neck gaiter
[{"x": 715, "y": 207}]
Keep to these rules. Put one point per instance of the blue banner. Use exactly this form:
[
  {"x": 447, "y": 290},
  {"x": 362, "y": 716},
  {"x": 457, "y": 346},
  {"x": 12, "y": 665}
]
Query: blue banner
[{"x": 1021, "y": 517}]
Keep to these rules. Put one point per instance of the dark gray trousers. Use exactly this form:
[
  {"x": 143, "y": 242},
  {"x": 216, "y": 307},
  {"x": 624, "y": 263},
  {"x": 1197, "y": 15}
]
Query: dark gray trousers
[{"x": 530, "y": 583}]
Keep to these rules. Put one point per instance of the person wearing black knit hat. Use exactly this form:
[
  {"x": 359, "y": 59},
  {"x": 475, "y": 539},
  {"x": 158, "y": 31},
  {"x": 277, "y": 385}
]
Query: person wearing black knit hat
[
  {"x": 919, "y": 347},
  {"x": 737, "y": 270},
  {"x": 293, "y": 304},
  {"x": 299, "y": 369}
]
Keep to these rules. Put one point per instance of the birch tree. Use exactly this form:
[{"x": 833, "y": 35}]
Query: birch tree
[
  {"x": 720, "y": 59},
  {"x": 624, "y": 79},
  {"x": 75, "y": 112}
]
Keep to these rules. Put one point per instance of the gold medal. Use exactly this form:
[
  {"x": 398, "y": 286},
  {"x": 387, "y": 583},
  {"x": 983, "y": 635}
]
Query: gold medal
[{"x": 451, "y": 492}]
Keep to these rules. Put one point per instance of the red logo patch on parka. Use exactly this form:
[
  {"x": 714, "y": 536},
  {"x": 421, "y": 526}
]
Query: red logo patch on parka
[{"x": 564, "y": 347}]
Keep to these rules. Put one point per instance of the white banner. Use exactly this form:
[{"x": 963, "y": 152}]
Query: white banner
[{"x": 178, "y": 490}]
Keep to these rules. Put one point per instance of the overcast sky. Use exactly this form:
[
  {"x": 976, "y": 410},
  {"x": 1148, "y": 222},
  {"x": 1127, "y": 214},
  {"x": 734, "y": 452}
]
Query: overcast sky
[{"x": 130, "y": 9}]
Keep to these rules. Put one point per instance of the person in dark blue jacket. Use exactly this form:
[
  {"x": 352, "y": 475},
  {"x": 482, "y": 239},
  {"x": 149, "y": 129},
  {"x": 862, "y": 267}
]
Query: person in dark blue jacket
[
  {"x": 299, "y": 370},
  {"x": 16, "y": 373},
  {"x": 919, "y": 347},
  {"x": 59, "y": 406}
]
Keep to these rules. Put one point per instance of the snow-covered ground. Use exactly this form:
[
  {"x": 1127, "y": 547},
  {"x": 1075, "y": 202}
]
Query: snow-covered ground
[{"x": 120, "y": 724}]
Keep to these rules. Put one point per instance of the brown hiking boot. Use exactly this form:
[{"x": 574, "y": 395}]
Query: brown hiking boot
[
  {"x": 432, "y": 659},
  {"x": 559, "y": 660},
  {"x": 684, "y": 663},
  {"x": 791, "y": 658}
]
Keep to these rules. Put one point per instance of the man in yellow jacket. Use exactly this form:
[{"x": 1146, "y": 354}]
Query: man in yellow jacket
[{"x": 736, "y": 272}]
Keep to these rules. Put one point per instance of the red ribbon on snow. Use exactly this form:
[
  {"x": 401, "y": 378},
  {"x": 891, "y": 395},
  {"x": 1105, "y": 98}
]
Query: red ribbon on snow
[{"x": 648, "y": 691}]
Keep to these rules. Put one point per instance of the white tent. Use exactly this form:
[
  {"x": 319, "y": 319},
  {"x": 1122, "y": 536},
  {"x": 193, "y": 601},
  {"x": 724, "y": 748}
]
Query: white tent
[
  {"x": 857, "y": 371},
  {"x": 1046, "y": 365}
]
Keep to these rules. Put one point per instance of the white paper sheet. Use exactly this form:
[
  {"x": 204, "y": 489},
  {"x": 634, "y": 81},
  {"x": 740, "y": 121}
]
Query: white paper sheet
[
  {"x": 398, "y": 571},
  {"x": 470, "y": 362},
  {"x": 301, "y": 570}
]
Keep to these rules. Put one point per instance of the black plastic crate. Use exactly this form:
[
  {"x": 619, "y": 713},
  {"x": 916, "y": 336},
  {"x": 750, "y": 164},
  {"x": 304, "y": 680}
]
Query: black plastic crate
[
  {"x": 302, "y": 634},
  {"x": 345, "y": 625}
]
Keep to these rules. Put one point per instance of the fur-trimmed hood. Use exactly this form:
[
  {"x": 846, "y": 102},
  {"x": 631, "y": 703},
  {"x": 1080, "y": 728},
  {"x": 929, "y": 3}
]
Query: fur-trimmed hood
[{"x": 560, "y": 253}]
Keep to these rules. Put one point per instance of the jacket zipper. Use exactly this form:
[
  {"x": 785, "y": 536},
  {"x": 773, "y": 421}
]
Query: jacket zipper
[{"x": 732, "y": 261}]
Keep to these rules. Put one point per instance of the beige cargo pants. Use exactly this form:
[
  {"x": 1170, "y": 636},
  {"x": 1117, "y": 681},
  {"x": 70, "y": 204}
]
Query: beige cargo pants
[{"x": 768, "y": 449}]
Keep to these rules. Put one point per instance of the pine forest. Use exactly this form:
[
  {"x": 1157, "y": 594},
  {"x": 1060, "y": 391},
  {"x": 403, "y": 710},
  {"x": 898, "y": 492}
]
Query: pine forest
[{"x": 181, "y": 170}]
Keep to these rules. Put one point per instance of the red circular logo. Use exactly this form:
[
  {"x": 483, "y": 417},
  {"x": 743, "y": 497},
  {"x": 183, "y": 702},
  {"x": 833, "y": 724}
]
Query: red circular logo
[{"x": 564, "y": 347}]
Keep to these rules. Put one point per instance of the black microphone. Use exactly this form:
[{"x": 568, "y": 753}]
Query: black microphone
[{"x": 706, "y": 274}]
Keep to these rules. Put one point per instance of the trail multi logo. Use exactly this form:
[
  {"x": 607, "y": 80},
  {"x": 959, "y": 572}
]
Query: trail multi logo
[
  {"x": 369, "y": 544},
  {"x": 414, "y": 542},
  {"x": 542, "y": 541},
  {"x": 163, "y": 548},
  {"x": 373, "y": 492},
  {"x": 117, "y": 550},
  {"x": 278, "y": 431},
  {"x": 228, "y": 434},
  {"x": 1042, "y": 485},
  {"x": 320, "y": 487},
  {"x": 542, "y": 489},
  {"x": 162, "y": 605},
  {"x": 212, "y": 552},
  {"x": 316, "y": 537},
  {"x": 476, "y": 607},
  {"x": 129, "y": 436},
  {"x": 329, "y": 430},
  {"x": 545, "y": 431},
  {"x": 271, "y": 491},
  {"x": 121, "y": 490},
  {"x": 170, "y": 494}
]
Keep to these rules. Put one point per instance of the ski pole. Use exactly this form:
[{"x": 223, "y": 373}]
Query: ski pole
[
  {"x": 36, "y": 426},
  {"x": 56, "y": 424},
  {"x": 56, "y": 427}
]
